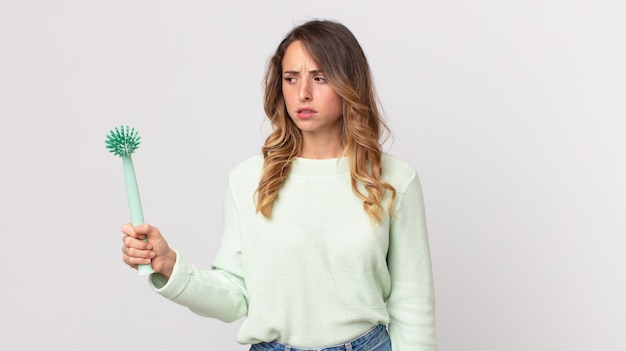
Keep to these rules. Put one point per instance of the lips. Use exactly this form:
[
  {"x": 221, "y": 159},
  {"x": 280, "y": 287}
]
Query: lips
[{"x": 305, "y": 112}]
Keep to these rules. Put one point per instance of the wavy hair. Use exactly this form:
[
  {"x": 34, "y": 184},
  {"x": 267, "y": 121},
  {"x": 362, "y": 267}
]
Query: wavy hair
[{"x": 339, "y": 55}]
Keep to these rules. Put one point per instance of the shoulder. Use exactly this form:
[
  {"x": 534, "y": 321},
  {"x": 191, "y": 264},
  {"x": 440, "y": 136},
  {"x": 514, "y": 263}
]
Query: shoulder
[
  {"x": 397, "y": 172},
  {"x": 248, "y": 170},
  {"x": 245, "y": 167}
]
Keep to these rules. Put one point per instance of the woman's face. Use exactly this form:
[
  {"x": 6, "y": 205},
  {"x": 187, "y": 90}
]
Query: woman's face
[{"x": 312, "y": 103}]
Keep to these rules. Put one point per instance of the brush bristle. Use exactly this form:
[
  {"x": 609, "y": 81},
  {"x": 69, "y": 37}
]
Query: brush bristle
[{"x": 123, "y": 141}]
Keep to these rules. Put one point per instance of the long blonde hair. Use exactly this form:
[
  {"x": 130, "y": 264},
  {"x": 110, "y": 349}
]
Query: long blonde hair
[{"x": 337, "y": 52}]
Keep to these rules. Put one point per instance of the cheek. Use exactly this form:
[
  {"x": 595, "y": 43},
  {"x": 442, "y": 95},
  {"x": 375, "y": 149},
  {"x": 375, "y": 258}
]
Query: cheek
[
  {"x": 287, "y": 103},
  {"x": 335, "y": 103},
  {"x": 288, "y": 96}
]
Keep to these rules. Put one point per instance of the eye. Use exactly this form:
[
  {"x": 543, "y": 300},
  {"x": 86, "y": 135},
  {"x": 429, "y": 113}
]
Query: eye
[
  {"x": 320, "y": 79},
  {"x": 289, "y": 80}
]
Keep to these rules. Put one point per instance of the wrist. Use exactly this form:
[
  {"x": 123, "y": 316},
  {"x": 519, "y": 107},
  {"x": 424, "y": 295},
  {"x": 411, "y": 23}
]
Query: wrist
[{"x": 169, "y": 261}]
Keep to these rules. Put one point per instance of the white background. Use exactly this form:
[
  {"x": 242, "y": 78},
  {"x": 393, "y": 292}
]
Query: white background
[{"x": 513, "y": 113}]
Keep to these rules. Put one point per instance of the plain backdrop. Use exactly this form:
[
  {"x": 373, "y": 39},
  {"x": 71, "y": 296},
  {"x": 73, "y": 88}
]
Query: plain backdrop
[{"x": 513, "y": 113}]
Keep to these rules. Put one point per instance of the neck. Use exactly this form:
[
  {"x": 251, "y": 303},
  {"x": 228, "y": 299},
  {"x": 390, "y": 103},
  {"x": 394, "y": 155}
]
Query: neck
[{"x": 321, "y": 150}]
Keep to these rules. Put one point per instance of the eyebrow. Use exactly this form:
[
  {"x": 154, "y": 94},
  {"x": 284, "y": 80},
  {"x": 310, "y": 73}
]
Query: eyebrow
[{"x": 314, "y": 71}]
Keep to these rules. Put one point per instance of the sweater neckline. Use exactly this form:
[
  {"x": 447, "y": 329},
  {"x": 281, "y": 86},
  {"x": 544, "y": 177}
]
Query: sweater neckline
[{"x": 320, "y": 167}]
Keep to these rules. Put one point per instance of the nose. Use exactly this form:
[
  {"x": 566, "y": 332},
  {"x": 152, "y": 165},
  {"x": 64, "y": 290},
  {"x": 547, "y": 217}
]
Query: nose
[{"x": 304, "y": 91}]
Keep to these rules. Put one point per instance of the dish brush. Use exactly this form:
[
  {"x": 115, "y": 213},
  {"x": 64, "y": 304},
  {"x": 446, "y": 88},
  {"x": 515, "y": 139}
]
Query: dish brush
[{"x": 122, "y": 142}]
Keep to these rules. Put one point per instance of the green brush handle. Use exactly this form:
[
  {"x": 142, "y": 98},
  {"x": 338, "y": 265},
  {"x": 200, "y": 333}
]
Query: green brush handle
[{"x": 134, "y": 203}]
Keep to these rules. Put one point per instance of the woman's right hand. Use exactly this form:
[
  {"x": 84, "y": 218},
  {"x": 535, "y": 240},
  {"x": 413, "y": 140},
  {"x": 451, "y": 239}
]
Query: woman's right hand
[{"x": 154, "y": 251}]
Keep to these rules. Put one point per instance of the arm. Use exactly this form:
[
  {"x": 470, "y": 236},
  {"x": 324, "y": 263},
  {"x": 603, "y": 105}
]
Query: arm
[
  {"x": 211, "y": 293},
  {"x": 411, "y": 304},
  {"x": 219, "y": 292}
]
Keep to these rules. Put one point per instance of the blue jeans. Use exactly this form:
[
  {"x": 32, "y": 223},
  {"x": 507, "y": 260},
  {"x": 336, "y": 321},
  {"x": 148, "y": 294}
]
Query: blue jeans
[{"x": 376, "y": 339}]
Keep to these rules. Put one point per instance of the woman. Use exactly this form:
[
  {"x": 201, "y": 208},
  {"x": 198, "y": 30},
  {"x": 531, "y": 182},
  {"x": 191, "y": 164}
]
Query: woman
[{"x": 324, "y": 243}]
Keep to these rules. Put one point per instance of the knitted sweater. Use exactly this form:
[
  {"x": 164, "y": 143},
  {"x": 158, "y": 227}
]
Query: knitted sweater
[{"x": 318, "y": 272}]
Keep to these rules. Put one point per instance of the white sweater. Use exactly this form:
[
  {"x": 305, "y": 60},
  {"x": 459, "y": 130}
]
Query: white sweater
[{"x": 319, "y": 272}]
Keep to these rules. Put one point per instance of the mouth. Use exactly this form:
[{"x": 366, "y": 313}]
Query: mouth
[{"x": 305, "y": 112}]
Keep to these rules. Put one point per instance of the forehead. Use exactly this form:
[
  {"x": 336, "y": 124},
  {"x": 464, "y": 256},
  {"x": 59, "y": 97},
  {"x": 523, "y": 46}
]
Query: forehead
[{"x": 297, "y": 58}]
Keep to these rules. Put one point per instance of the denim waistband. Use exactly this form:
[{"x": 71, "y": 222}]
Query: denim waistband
[{"x": 361, "y": 343}]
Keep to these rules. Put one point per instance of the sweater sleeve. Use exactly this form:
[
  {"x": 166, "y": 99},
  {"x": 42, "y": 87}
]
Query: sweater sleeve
[
  {"x": 411, "y": 303},
  {"x": 219, "y": 292}
]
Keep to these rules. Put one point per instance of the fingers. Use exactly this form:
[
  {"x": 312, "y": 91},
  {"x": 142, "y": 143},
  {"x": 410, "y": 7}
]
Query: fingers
[
  {"x": 141, "y": 231},
  {"x": 144, "y": 229},
  {"x": 133, "y": 256},
  {"x": 135, "y": 249},
  {"x": 144, "y": 244},
  {"x": 135, "y": 243},
  {"x": 130, "y": 230}
]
